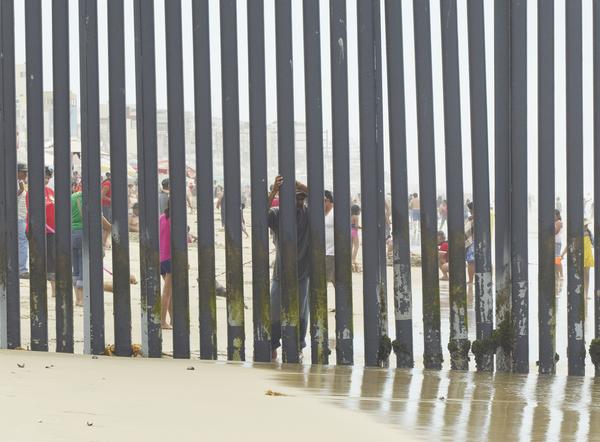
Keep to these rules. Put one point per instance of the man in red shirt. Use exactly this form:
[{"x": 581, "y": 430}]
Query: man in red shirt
[
  {"x": 443, "y": 255},
  {"x": 106, "y": 205},
  {"x": 50, "y": 228}
]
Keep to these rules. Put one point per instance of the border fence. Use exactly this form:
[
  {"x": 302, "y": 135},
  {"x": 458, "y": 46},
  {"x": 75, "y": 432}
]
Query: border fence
[{"x": 501, "y": 290}]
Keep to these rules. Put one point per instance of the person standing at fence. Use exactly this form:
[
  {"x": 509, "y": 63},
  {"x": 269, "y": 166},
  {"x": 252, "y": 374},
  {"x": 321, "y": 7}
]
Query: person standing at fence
[
  {"x": 166, "y": 304},
  {"x": 303, "y": 257},
  {"x": 22, "y": 220},
  {"x": 443, "y": 255},
  {"x": 106, "y": 195},
  {"x": 77, "y": 243},
  {"x": 163, "y": 196},
  {"x": 49, "y": 203},
  {"x": 588, "y": 256},
  {"x": 470, "y": 244},
  {"x": 329, "y": 239},
  {"x": 355, "y": 227},
  {"x": 558, "y": 227}
]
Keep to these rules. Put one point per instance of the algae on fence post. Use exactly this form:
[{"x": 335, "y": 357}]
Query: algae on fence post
[{"x": 459, "y": 344}]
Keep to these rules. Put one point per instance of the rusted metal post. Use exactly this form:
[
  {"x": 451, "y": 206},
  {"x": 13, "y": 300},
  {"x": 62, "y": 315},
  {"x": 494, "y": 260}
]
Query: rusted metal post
[
  {"x": 288, "y": 265},
  {"x": 36, "y": 212},
  {"x": 459, "y": 335},
  {"x": 484, "y": 289},
  {"x": 502, "y": 174},
  {"x": 403, "y": 346},
  {"x": 427, "y": 185},
  {"x": 231, "y": 160},
  {"x": 177, "y": 181},
  {"x": 145, "y": 74},
  {"x": 258, "y": 170},
  {"x": 10, "y": 306},
  {"x": 377, "y": 342},
  {"x": 546, "y": 190},
  {"x": 344, "y": 328},
  {"x": 314, "y": 153},
  {"x": 204, "y": 182},
  {"x": 62, "y": 175},
  {"x": 518, "y": 185},
  {"x": 576, "y": 296},
  {"x": 118, "y": 171}
]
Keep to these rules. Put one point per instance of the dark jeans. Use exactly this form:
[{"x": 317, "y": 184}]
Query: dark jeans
[{"x": 276, "y": 312}]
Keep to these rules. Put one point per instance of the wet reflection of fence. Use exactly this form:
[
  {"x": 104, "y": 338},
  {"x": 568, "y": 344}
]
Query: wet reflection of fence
[
  {"x": 459, "y": 406},
  {"x": 502, "y": 339}
]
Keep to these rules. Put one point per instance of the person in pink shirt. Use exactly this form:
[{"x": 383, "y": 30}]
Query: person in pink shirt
[{"x": 165, "y": 269}]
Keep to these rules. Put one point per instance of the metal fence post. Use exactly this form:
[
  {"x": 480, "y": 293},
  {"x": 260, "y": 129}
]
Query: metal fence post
[
  {"x": 62, "y": 175},
  {"x": 36, "y": 211},
  {"x": 145, "y": 74},
  {"x": 261, "y": 303},
  {"x": 596, "y": 169},
  {"x": 10, "y": 335},
  {"x": 204, "y": 181},
  {"x": 576, "y": 296},
  {"x": 546, "y": 191},
  {"x": 427, "y": 185},
  {"x": 519, "y": 197},
  {"x": 314, "y": 153},
  {"x": 403, "y": 346},
  {"x": 377, "y": 342},
  {"x": 502, "y": 175},
  {"x": 459, "y": 336},
  {"x": 118, "y": 170},
  {"x": 231, "y": 160},
  {"x": 344, "y": 329},
  {"x": 177, "y": 180},
  {"x": 484, "y": 288},
  {"x": 287, "y": 168}
]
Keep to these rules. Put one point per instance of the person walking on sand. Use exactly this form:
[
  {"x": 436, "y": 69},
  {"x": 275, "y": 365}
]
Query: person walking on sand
[
  {"x": 22, "y": 220},
  {"x": 303, "y": 259},
  {"x": 470, "y": 244},
  {"x": 354, "y": 228},
  {"x": 329, "y": 238},
  {"x": 166, "y": 304}
]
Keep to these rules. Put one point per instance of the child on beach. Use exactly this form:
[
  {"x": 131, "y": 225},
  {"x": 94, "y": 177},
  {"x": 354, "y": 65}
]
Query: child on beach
[{"x": 165, "y": 269}]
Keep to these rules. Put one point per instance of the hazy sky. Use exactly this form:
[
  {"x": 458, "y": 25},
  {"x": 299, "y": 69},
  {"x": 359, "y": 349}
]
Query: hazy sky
[{"x": 353, "y": 73}]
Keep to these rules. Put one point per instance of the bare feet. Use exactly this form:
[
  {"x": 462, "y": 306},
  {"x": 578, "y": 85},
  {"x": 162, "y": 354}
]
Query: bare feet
[{"x": 166, "y": 326}]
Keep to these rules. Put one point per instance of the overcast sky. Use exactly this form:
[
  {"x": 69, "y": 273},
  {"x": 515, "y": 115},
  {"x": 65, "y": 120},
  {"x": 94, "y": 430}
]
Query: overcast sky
[{"x": 353, "y": 73}]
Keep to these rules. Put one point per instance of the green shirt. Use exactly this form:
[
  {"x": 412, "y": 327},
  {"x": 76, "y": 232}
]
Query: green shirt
[{"x": 76, "y": 221}]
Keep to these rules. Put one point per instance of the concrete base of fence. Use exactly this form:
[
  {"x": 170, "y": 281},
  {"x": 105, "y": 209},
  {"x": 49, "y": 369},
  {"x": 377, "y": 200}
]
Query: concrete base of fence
[{"x": 48, "y": 396}]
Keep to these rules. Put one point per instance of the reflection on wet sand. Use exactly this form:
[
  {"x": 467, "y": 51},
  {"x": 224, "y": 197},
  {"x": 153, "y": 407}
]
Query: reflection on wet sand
[{"x": 459, "y": 405}]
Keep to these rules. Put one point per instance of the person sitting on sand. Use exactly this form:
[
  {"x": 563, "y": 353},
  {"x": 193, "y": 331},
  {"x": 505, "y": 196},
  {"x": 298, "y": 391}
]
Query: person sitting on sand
[{"x": 134, "y": 219}]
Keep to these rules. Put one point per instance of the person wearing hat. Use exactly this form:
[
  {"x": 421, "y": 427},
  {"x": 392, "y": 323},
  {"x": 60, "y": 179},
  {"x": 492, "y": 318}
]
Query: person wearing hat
[
  {"x": 303, "y": 259},
  {"x": 329, "y": 239},
  {"x": 22, "y": 220}
]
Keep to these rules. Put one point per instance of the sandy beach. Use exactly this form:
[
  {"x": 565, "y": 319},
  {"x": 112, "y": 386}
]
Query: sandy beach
[{"x": 57, "y": 397}]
